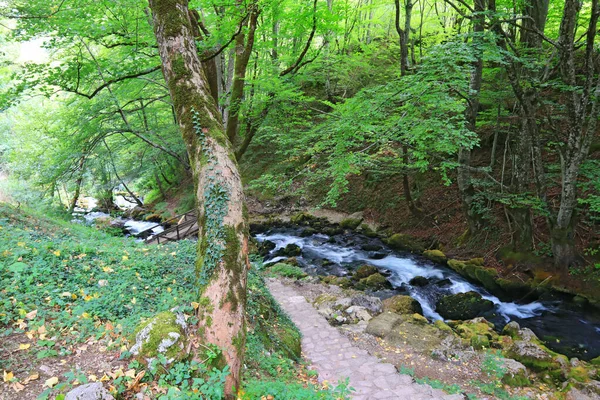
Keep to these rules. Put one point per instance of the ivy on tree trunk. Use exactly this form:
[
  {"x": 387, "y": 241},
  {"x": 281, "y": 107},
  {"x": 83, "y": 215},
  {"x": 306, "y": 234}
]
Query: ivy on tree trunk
[{"x": 222, "y": 261}]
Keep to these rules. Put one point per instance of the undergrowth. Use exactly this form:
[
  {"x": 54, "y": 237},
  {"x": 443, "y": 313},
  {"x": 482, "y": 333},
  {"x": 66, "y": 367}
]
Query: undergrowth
[{"x": 62, "y": 284}]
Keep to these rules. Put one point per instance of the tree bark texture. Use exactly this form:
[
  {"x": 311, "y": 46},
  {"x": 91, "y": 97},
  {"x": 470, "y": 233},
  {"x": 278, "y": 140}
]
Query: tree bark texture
[{"x": 222, "y": 261}]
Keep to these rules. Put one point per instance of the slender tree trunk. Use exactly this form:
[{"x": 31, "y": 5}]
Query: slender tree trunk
[
  {"x": 243, "y": 49},
  {"x": 222, "y": 262},
  {"x": 78, "y": 183},
  {"x": 582, "y": 116},
  {"x": 464, "y": 179}
]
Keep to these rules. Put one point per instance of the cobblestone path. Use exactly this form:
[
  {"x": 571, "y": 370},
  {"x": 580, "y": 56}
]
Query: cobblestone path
[{"x": 336, "y": 358}]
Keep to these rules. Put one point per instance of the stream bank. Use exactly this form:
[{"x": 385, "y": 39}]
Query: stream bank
[{"x": 355, "y": 256}]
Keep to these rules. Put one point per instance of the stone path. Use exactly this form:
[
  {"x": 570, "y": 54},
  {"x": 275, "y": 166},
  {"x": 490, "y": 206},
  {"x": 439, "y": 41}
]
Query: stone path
[{"x": 335, "y": 357}]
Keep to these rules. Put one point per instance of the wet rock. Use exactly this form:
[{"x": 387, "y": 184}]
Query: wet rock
[
  {"x": 443, "y": 282},
  {"x": 91, "y": 391},
  {"x": 463, "y": 306},
  {"x": 258, "y": 227},
  {"x": 308, "y": 232},
  {"x": 373, "y": 304},
  {"x": 163, "y": 334},
  {"x": 291, "y": 250},
  {"x": 364, "y": 271},
  {"x": 378, "y": 256},
  {"x": 371, "y": 247},
  {"x": 436, "y": 256},
  {"x": 419, "y": 281},
  {"x": 401, "y": 304},
  {"x": 265, "y": 247},
  {"x": 475, "y": 270}
]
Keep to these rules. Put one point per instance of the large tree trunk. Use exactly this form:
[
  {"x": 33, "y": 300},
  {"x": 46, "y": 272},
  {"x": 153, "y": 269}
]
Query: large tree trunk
[
  {"x": 78, "y": 182},
  {"x": 222, "y": 262}
]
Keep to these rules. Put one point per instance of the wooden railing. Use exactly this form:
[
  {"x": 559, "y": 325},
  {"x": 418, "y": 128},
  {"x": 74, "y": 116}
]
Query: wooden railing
[{"x": 185, "y": 226}]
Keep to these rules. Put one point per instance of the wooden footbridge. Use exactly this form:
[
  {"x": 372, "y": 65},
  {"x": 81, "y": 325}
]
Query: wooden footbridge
[{"x": 176, "y": 228}]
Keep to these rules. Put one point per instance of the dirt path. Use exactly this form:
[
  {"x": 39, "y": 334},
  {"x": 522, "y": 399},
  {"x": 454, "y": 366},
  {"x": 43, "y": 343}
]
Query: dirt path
[{"x": 336, "y": 358}]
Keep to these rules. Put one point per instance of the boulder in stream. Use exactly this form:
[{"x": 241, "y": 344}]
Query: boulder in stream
[
  {"x": 364, "y": 271},
  {"x": 374, "y": 282},
  {"x": 463, "y": 306}
]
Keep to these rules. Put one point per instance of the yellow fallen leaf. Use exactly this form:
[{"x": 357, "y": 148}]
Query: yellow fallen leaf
[
  {"x": 33, "y": 377},
  {"x": 42, "y": 329},
  {"x": 56, "y": 253},
  {"x": 65, "y": 294},
  {"x": 195, "y": 305},
  {"x": 117, "y": 374},
  {"x": 30, "y": 335},
  {"x": 31, "y": 314},
  {"x": 130, "y": 373},
  {"x": 74, "y": 296},
  {"x": 85, "y": 315},
  {"x": 104, "y": 378},
  {"x": 107, "y": 269},
  {"x": 51, "y": 382},
  {"x": 169, "y": 289},
  {"x": 125, "y": 258},
  {"x": 24, "y": 346},
  {"x": 21, "y": 244},
  {"x": 88, "y": 297},
  {"x": 7, "y": 376},
  {"x": 93, "y": 378},
  {"x": 133, "y": 300}
]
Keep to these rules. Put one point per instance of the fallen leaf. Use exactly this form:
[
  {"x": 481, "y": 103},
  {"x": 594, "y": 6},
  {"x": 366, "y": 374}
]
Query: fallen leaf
[
  {"x": 17, "y": 387},
  {"x": 93, "y": 378},
  {"x": 7, "y": 376},
  {"x": 51, "y": 382},
  {"x": 56, "y": 253},
  {"x": 104, "y": 378},
  {"x": 130, "y": 373},
  {"x": 31, "y": 314},
  {"x": 195, "y": 305},
  {"x": 32, "y": 377},
  {"x": 24, "y": 346},
  {"x": 42, "y": 329}
]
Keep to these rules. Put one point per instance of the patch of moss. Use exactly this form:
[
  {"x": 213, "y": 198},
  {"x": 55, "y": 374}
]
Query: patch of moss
[
  {"x": 518, "y": 380},
  {"x": 400, "y": 241},
  {"x": 375, "y": 282},
  {"x": 364, "y": 271},
  {"x": 435, "y": 256},
  {"x": 350, "y": 223},
  {"x": 579, "y": 373},
  {"x": 288, "y": 271}
]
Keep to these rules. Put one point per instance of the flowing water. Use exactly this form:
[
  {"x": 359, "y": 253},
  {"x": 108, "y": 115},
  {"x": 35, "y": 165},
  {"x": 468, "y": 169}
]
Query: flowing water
[
  {"x": 563, "y": 327},
  {"x": 132, "y": 227}
]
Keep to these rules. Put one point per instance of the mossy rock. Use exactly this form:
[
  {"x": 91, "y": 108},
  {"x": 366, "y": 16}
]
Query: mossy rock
[
  {"x": 375, "y": 282},
  {"x": 479, "y": 262},
  {"x": 303, "y": 219},
  {"x": 441, "y": 325},
  {"x": 402, "y": 304},
  {"x": 514, "y": 287},
  {"x": 340, "y": 281},
  {"x": 153, "y": 218},
  {"x": 291, "y": 250},
  {"x": 534, "y": 356},
  {"x": 163, "y": 334},
  {"x": 364, "y": 271},
  {"x": 436, "y": 256},
  {"x": 332, "y": 231},
  {"x": 324, "y": 298},
  {"x": 400, "y": 241},
  {"x": 479, "y": 342},
  {"x": 308, "y": 232},
  {"x": 511, "y": 329},
  {"x": 595, "y": 361},
  {"x": 419, "y": 281},
  {"x": 350, "y": 223},
  {"x": 367, "y": 231},
  {"x": 579, "y": 373},
  {"x": 265, "y": 247},
  {"x": 463, "y": 306},
  {"x": 292, "y": 342}
]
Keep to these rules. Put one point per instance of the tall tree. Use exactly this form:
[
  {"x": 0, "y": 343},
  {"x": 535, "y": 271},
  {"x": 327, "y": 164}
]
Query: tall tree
[{"x": 222, "y": 260}]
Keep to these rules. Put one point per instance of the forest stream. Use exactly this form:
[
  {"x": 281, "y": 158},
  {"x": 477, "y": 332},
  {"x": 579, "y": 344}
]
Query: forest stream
[{"x": 564, "y": 327}]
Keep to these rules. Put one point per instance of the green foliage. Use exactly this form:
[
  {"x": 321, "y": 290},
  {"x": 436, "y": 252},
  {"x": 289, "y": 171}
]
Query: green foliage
[
  {"x": 285, "y": 391},
  {"x": 288, "y": 271}
]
